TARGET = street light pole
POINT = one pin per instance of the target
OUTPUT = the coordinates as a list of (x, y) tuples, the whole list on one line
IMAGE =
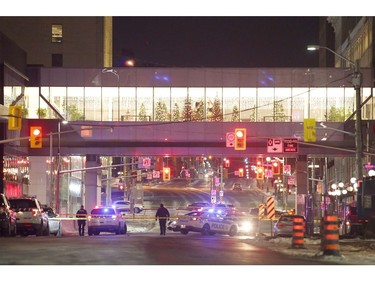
[(357, 83)]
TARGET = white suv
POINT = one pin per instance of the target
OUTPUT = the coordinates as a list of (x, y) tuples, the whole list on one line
[(105, 219), (124, 207), (30, 217)]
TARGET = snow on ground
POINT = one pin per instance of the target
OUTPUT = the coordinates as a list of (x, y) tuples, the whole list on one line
[(351, 251)]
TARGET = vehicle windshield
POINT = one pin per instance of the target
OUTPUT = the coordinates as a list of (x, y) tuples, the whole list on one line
[(22, 203)]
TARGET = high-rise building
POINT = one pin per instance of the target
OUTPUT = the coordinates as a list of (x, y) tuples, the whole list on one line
[(84, 42)]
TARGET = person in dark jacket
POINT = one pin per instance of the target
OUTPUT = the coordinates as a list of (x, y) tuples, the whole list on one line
[(163, 215), (81, 215)]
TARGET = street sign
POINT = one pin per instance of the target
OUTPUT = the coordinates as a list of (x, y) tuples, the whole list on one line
[(309, 130), (146, 162), (291, 180), (275, 145), (287, 169), (156, 174), (290, 145), (230, 139)]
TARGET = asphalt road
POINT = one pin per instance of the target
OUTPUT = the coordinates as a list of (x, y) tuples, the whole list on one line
[(143, 249)]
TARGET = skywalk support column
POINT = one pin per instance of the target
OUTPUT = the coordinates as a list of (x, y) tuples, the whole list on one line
[(92, 183), (302, 186), (357, 82)]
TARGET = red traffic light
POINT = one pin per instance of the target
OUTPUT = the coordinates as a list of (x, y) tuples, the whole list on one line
[(240, 139), (36, 137), (276, 168)]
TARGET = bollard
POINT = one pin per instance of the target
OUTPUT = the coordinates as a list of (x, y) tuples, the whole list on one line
[(298, 233), (331, 236)]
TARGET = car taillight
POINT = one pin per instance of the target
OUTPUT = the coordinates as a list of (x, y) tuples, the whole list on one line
[(34, 212)]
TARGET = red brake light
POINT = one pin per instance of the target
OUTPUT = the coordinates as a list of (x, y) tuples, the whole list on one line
[(34, 212)]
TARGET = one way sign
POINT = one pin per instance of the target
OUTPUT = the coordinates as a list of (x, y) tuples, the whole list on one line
[(275, 145)]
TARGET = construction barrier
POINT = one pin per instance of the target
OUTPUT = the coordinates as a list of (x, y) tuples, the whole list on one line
[(298, 233), (330, 236)]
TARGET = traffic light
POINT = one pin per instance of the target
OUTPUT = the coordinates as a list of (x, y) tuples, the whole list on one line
[(167, 174), (276, 167), (36, 137), (240, 139), (227, 163), (240, 172), (15, 117), (260, 173), (259, 162)]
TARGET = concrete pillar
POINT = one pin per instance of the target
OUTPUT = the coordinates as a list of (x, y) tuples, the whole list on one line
[(92, 183), (39, 186), (302, 183)]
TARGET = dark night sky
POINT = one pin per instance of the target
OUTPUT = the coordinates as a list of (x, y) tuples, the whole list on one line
[(214, 41)]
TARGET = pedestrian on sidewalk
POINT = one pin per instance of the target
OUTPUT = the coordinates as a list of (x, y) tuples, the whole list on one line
[(163, 215)]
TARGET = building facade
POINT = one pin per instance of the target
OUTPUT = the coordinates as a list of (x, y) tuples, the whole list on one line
[(60, 41)]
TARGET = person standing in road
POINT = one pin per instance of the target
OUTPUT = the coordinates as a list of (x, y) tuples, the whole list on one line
[(163, 215), (81, 215)]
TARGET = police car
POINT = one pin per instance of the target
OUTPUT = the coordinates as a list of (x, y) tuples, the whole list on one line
[(192, 221), (231, 225), (105, 219)]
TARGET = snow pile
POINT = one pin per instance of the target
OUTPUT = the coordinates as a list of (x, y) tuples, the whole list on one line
[(351, 251)]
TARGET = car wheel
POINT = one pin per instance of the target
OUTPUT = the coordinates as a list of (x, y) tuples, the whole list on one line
[(233, 230), (6, 231), (118, 230), (40, 230), (206, 229), (90, 232), (46, 230), (125, 230), (14, 232), (184, 231)]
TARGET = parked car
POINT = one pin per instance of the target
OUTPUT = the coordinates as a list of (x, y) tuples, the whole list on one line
[(124, 207), (31, 218), (8, 226), (53, 220), (284, 225), (105, 219), (222, 208), (352, 225), (237, 186), (199, 206)]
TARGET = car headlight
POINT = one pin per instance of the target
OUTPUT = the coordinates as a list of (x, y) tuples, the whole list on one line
[(246, 226)]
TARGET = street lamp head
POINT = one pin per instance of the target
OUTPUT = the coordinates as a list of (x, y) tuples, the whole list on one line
[(313, 47)]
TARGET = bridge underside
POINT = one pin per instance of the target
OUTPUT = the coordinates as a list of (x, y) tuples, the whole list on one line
[(185, 139)]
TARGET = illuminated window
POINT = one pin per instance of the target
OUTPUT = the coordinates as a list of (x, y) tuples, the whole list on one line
[(57, 35)]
